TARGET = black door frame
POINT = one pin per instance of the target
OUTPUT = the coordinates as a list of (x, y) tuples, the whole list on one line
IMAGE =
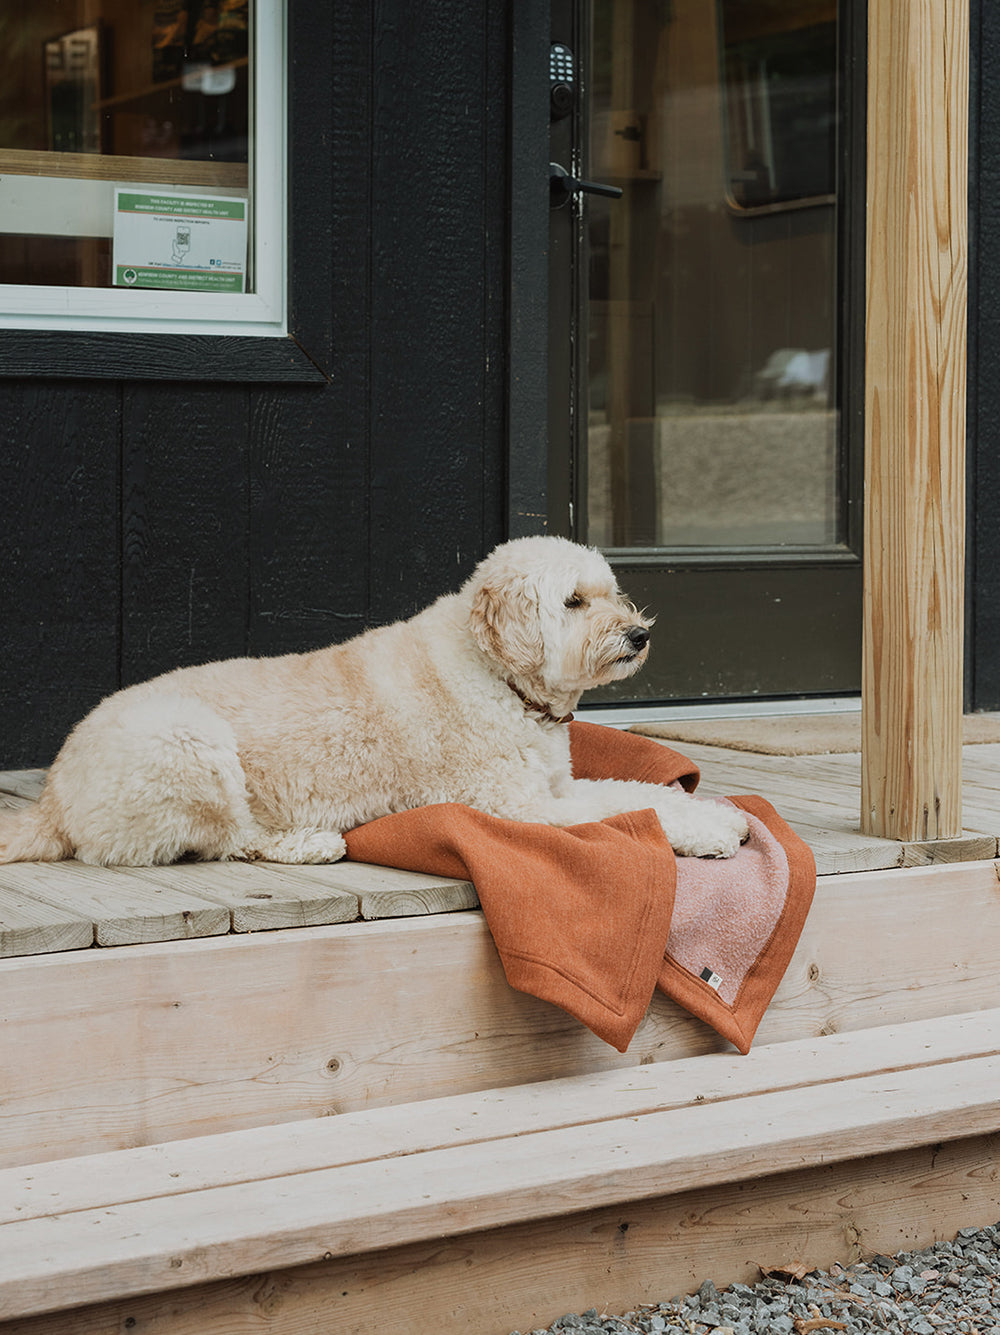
[(536, 501)]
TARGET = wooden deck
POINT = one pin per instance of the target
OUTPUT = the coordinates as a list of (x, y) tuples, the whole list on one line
[(68, 906), (289, 1098), (820, 797)]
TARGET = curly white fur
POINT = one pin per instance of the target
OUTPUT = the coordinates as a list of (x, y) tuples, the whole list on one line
[(274, 757)]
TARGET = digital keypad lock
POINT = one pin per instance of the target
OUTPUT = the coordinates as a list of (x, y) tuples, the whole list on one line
[(562, 81)]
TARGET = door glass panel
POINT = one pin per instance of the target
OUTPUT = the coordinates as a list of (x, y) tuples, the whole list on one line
[(712, 383)]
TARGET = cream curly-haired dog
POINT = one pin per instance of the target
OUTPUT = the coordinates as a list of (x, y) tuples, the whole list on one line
[(273, 757)]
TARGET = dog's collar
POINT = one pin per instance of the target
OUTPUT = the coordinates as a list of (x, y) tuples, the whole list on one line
[(544, 712)]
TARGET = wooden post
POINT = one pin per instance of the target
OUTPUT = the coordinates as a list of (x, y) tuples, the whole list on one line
[(915, 418)]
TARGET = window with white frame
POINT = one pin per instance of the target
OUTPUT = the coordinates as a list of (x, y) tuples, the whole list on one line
[(142, 171)]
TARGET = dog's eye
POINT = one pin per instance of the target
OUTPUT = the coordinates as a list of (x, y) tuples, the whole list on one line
[(575, 600)]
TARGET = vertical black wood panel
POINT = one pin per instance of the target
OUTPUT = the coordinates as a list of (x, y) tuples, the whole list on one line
[(308, 575), (319, 114), (430, 322), (59, 559), (184, 526), (496, 224), (983, 676), (309, 447)]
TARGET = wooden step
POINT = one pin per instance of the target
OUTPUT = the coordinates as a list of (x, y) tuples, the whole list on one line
[(100, 1228), (231, 1032)]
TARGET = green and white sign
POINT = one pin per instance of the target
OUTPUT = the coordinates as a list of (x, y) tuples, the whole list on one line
[(192, 243)]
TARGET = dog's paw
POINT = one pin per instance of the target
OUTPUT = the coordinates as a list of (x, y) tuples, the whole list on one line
[(297, 847), (708, 830)]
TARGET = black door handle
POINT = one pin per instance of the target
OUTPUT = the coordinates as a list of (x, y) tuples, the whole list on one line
[(562, 186)]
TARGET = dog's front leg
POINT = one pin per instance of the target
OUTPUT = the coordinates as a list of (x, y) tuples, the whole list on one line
[(695, 827)]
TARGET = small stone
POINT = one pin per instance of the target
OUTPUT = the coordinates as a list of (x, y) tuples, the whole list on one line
[(708, 1293)]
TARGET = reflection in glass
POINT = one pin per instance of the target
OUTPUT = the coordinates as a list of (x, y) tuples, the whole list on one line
[(98, 92), (712, 394)]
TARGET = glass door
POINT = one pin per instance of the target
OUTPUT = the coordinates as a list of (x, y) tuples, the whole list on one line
[(703, 426)]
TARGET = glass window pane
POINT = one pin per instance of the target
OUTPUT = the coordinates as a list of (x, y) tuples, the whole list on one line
[(713, 415), (151, 99)]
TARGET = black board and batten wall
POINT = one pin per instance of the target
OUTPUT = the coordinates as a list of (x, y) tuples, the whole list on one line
[(169, 500)]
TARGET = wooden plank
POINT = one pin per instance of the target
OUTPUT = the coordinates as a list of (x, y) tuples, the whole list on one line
[(258, 897), (526, 1275), (123, 908), (915, 390), (840, 850), (919, 910), (112, 167), (103, 1181), (966, 848), (29, 926), (340, 1018), (819, 795), (169, 1242), (26, 783), (388, 892)]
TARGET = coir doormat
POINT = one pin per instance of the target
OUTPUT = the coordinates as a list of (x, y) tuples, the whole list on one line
[(795, 734)]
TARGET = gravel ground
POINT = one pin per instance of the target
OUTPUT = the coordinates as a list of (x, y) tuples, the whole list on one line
[(946, 1289)]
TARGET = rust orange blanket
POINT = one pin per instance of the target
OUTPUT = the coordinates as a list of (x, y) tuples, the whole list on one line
[(594, 917)]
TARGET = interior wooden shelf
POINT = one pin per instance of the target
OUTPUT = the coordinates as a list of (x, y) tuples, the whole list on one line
[(109, 167)]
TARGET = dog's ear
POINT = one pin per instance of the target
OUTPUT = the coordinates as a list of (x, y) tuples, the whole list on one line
[(504, 620)]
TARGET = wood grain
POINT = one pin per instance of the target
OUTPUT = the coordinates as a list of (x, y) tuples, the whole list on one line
[(123, 908), (234, 1032), (103, 1181), (23, 783), (258, 898), (526, 1275), (108, 167), (819, 796), (388, 892), (30, 926), (915, 418), (162, 1243)]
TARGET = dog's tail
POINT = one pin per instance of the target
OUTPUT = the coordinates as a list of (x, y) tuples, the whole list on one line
[(31, 836)]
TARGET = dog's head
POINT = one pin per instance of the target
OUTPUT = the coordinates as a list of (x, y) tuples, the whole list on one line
[(551, 614)]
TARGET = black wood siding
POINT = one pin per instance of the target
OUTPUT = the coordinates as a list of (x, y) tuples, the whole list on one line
[(213, 508), (983, 609)]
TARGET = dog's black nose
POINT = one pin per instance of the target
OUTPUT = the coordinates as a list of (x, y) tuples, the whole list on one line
[(637, 636)]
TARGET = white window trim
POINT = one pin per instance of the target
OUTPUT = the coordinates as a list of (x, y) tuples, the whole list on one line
[(260, 313)]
